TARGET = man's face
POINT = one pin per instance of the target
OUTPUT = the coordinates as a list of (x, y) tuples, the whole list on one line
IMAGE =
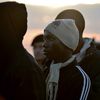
[(38, 52), (53, 47)]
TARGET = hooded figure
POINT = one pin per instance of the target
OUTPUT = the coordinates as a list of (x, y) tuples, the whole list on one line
[(20, 77)]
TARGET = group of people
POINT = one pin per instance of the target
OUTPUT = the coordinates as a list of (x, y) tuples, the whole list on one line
[(65, 68)]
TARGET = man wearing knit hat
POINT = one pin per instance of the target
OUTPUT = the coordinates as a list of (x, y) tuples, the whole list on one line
[(20, 77), (87, 56), (65, 80)]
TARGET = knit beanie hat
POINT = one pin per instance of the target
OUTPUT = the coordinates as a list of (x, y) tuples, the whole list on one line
[(66, 31)]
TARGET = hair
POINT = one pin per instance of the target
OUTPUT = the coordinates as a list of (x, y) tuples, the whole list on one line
[(75, 15), (38, 38)]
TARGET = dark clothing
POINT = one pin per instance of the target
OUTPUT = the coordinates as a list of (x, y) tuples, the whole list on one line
[(20, 77), (70, 83), (98, 45), (46, 67), (91, 64)]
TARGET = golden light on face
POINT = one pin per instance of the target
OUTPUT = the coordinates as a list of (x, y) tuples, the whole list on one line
[(57, 3)]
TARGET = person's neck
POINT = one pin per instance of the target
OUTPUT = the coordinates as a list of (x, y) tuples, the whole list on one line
[(63, 58)]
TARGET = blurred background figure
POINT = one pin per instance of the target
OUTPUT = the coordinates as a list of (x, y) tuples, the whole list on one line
[(41, 59), (37, 45), (87, 55)]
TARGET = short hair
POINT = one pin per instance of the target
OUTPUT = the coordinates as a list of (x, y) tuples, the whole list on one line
[(75, 15), (38, 38)]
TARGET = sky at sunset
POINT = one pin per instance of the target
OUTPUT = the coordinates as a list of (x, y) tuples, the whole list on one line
[(57, 3), (41, 12)]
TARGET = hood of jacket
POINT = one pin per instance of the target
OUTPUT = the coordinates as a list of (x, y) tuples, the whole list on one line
[(13, 26)]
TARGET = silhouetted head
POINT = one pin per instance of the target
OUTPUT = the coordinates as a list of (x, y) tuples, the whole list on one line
[(75, 15), (13, 20), (38, 38), (13, 26)]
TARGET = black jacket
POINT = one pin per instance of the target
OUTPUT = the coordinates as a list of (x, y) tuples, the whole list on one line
[(91, 64), (70, 83), (20, 77)]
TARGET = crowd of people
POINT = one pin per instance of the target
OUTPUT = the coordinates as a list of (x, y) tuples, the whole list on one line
[(65, 65)]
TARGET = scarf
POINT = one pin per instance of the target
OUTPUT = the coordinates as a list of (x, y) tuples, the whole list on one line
[(81, 54), (53, 78)]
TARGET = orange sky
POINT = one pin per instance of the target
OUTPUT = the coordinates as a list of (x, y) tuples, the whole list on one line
[(93, 35)]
